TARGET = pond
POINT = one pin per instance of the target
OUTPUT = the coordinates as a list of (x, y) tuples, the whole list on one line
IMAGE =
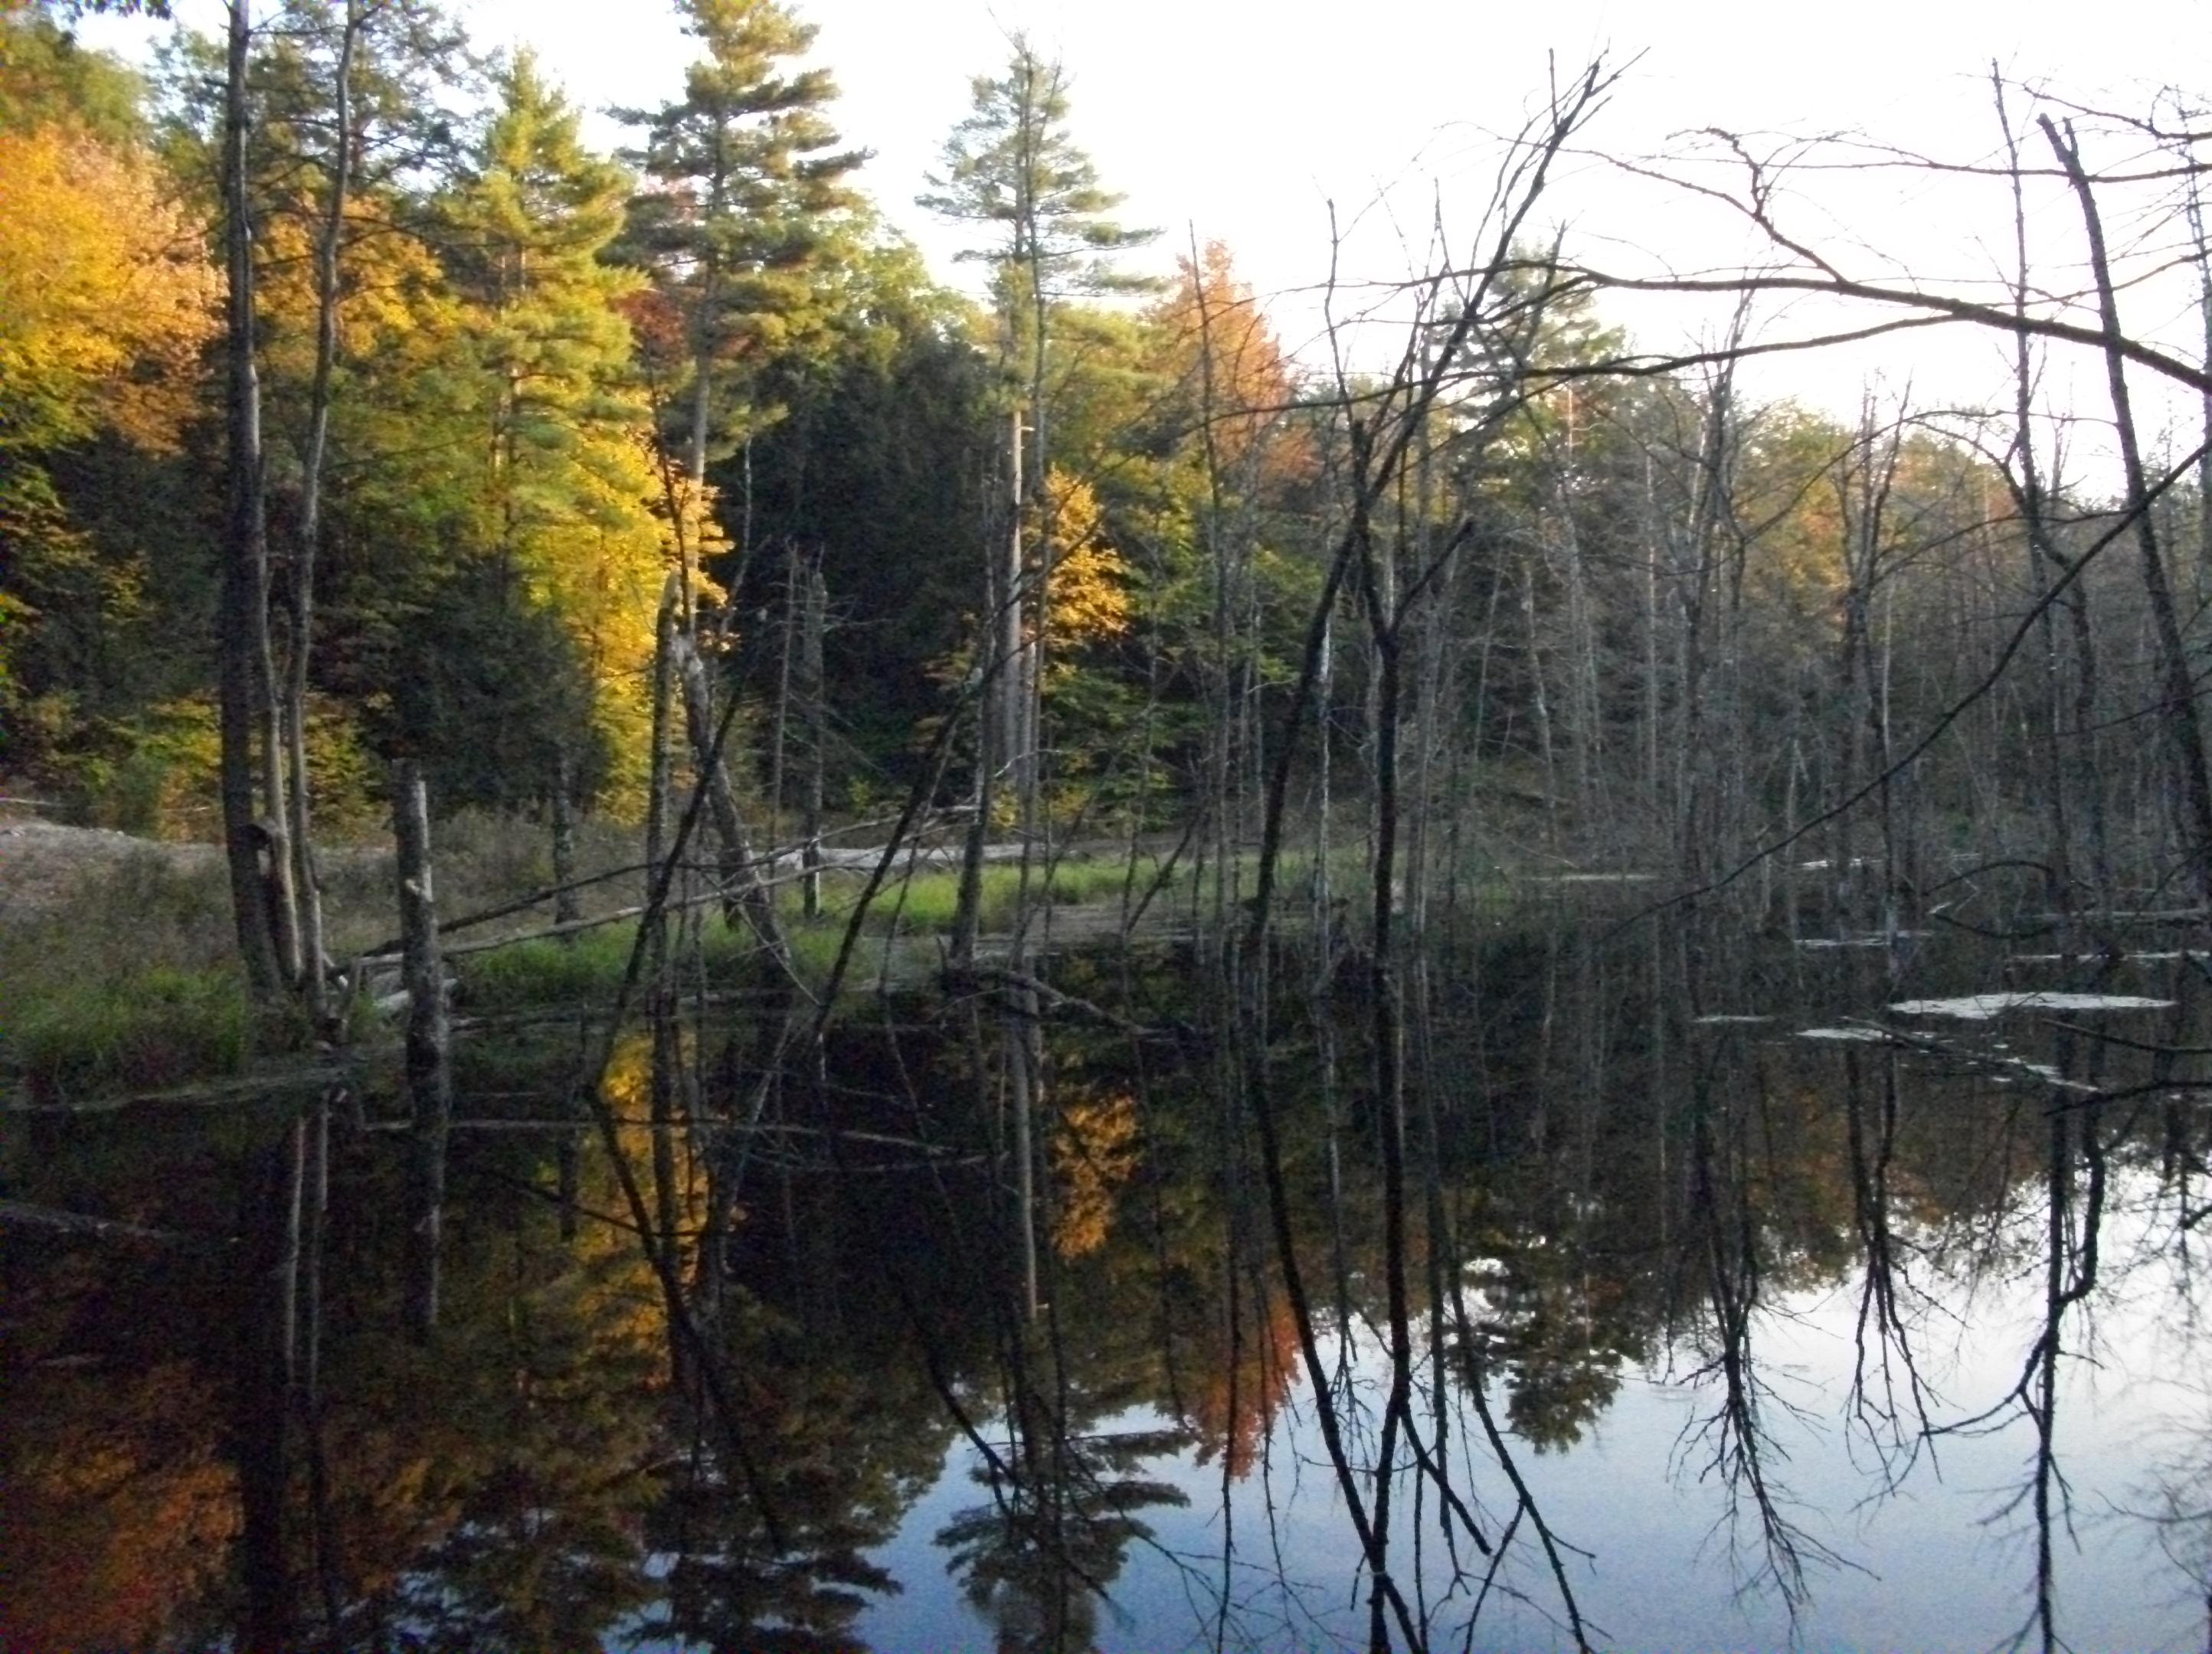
[(1657, 1324)]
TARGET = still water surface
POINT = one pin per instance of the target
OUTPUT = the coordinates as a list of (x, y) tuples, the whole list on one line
[(1885, 1340)]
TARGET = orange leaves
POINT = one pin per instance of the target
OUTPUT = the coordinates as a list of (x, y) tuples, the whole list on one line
[(1229, 367)]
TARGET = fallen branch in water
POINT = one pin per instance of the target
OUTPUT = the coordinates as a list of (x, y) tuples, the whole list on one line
[(22, 1215)]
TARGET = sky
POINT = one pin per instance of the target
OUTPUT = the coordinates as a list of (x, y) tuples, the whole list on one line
[(1246, 123)]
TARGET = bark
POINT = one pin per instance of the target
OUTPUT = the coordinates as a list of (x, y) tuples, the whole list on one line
[(741, 873), (998, 715), (567, 910), (242, 617), (664, 666), (429, 1080), (265, 1317), (813, 621), (306, 892), (2184, 730)]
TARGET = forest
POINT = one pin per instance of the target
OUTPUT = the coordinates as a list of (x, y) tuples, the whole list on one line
[(359, 413), (761, 894)]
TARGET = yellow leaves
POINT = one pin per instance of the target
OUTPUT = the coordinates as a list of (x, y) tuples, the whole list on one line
[(628, 1091), (1087, 593), (105, 295), (120, 1506)]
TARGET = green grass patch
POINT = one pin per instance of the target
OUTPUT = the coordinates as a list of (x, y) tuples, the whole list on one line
[(161, 1028), (587, 966), (906, 917), (928, 902), (547, 969)]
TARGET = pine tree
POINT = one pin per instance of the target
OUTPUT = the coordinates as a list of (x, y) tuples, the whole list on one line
[(561, 493), (748, 179), (1012, 166)]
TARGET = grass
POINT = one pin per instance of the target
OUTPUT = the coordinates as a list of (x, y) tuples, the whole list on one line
[(128, 986), (546, 970), (161, 1027), (927, 902), (132, 985)]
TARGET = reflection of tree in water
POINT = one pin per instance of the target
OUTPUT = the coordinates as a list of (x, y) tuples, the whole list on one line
[(732, 1586), (535, 1481), (2179, 1511), (1094, 1153), (1556, 1333), (1037, 1561), (536, 1418), (118, 1505), (1239, 1392), (843, 1448), (1734, 1443)]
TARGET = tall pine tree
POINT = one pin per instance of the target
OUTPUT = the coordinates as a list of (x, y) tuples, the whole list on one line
[(561, 493), (748, 179)]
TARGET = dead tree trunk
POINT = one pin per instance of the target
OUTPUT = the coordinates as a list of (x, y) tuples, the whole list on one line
[(2184, 729), (429, 1079), (999, 716), (567, 910), (242, 620), (813, 619), (740, 873), (307, 893)]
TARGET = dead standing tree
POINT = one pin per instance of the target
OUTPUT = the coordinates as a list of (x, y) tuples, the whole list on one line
[(1900, 304), (1455, 310), (247, 682)]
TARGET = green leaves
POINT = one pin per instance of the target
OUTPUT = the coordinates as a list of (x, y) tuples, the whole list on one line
[(748, 200)]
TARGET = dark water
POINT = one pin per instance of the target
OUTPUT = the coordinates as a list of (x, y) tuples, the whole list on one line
[(1847, 1342)]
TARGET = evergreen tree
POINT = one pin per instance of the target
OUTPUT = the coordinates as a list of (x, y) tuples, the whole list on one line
[(1013, 167), (564, 485), (747, 179)]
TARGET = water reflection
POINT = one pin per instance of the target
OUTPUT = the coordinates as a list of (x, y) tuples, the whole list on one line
[(1695, 1332)]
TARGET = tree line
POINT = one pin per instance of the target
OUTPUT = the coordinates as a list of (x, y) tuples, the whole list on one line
[(358, 410)]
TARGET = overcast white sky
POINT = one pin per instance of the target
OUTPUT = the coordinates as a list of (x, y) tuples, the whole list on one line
[(1243, 120)]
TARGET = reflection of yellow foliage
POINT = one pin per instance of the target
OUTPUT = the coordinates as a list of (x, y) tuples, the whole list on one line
[(1094, 1153), (120, 1507), (627, 1090)]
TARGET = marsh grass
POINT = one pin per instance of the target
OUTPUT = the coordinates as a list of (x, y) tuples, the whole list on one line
[(128, 986), (161, 1028), (132, 985), (926, 902)]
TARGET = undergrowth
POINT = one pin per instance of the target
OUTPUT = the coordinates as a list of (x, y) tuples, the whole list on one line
[(133, 985)]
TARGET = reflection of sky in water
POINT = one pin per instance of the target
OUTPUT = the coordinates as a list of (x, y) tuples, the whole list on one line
[(1936, 1566)]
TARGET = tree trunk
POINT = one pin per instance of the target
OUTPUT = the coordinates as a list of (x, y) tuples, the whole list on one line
[(740, 872), (429, 1080), (242, 619), (813, 619), (306, 891), (2184, 728), (567, 910)]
